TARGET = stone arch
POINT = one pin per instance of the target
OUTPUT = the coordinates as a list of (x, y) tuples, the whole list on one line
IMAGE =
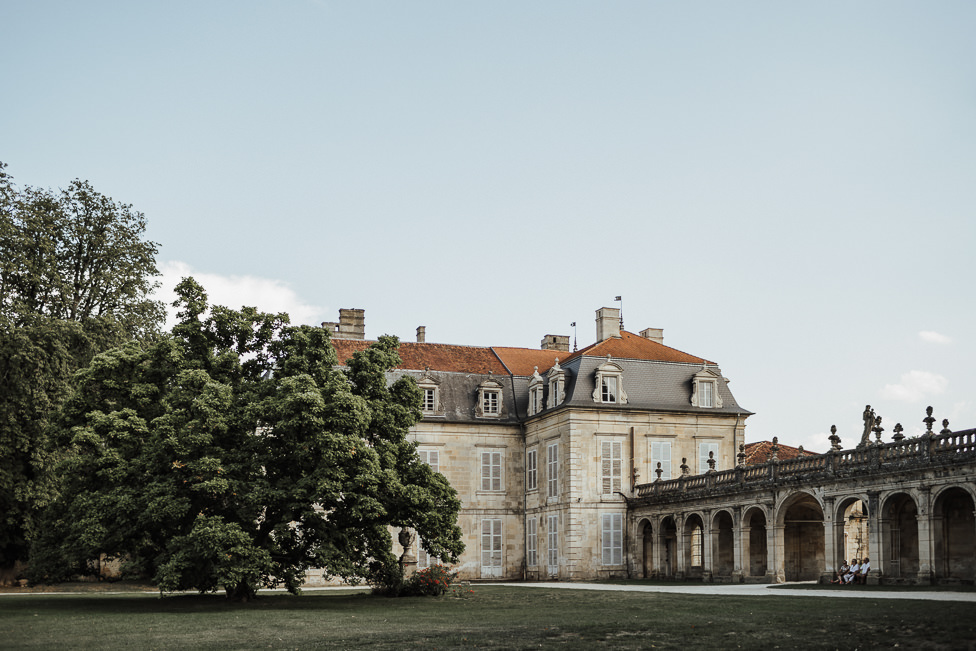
[(667, 535), (800, 536), (899, 536), (693, 545), (644, 539), (954, 535), (723, 545), (851, 528), (755, 554)]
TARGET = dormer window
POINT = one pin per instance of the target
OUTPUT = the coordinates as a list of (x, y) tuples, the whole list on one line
[(557, 385), (429, 393), (489, 399), (704, 389), (609, 387), (536, 387)]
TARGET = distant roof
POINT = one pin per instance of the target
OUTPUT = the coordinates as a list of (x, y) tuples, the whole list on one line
[(631, 346), (522, 361), (439, 357), (760, 451)]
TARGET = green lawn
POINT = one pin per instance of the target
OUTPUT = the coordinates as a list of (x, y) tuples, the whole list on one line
[(494, 617)]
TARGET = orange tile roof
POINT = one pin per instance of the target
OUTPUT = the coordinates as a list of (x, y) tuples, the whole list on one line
[(631, 346), (759, 452), (439, 357), (522, 361)]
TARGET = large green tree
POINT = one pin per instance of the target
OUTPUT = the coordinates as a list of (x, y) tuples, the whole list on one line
[(75, 278), (236, 453)]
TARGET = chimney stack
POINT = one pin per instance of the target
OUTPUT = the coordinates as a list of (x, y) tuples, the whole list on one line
[(556, 342), (607, 323), (654, 334), (351, 325), (421, 334)]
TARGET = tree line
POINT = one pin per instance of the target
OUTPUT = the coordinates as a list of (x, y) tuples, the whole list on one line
[(230, 452)]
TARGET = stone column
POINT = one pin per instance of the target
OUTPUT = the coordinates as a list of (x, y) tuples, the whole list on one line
[(775, 550), (926, 542), (708, 547), (830, 538), (679, 546), (744, 552), (876, 536), (656, 546), (737, 572)]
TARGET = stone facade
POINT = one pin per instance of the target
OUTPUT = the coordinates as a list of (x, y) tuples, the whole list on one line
[(545, 446)]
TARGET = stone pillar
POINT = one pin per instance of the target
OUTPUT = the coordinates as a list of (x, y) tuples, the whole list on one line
[(744, 552), (656, 546), (408, 562), (679, 547), (830, 539), (926, 541), (737, 572), (708, 548), (876, 536), (775, 552)]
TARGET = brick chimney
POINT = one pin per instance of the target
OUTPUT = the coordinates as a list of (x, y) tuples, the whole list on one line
[(654, 334), (421, 334), (607, 323), (556, 342)]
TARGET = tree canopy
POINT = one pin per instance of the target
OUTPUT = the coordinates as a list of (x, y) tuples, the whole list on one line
[(236, 453), (75, 279)]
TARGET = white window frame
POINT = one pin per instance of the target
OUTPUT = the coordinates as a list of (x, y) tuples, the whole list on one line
[(532, 470), (532, 542), (608, 374), (491, 548), (703, 449), (704, 389), (661, 452), (612, 539), (491, 470), (552, 470), (552, 546), (490, 399), (611, 467), (430, 457), (424, 559), (430, 394)]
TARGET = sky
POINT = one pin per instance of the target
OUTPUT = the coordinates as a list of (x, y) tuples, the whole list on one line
[(787, 189)]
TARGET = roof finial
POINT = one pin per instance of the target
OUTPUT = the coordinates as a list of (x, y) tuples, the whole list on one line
[(573, 326), (621, 301)]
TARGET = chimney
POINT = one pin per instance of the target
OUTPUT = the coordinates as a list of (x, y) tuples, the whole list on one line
[(352, 324), (607, 323), (654, 334), (556, 342), (421, 334)]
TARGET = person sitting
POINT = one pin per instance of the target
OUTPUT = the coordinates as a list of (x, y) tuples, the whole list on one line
[(862, 575), (844, 568), (852, 572)]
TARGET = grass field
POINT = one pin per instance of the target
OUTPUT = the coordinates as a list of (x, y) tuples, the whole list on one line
[(490, 617)]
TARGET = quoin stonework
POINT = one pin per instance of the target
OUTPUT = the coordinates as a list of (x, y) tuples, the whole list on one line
[(627, 458)]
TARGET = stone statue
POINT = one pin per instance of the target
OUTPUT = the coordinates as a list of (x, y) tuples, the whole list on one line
[(869, 420)]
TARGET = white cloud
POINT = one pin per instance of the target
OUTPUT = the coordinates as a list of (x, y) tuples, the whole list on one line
[(934, 337), (915, 386), (266, 294)]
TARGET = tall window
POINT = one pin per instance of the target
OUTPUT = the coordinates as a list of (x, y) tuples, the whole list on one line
[(610, 388), (429, 404), (705, 394), (661, 453), (532, 542), (552, 469), (610, 466), (489, 402), (703, 449), (612, 539), (431, 458), (424, 559), (491, 471), (552, 531), (531, 470), (491, 548)]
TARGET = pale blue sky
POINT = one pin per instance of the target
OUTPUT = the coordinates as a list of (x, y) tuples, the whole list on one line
[(788, 189)]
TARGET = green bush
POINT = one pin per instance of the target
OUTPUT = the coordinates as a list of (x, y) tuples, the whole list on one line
[(432, 581)]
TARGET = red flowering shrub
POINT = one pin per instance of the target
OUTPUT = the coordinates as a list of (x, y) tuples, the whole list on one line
[(432, 581)]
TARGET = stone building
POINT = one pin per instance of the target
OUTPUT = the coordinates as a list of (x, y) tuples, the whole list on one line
[(546, 446)]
